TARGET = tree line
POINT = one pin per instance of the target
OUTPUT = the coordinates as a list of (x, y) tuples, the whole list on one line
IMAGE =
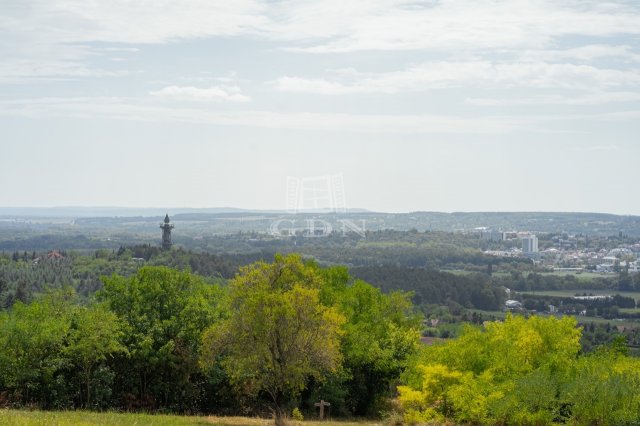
[(430, 286), (285, 334), (25, 275), (277, 336), (522, 372)]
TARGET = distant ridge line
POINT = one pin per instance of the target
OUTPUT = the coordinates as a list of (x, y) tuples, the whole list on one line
[(115, 211)]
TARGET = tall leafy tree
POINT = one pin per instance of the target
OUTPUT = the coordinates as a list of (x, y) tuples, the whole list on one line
[(164, 312), (32, 338), (605, 388), (94, 335), (278, 334), (380, 335), (511, 372)]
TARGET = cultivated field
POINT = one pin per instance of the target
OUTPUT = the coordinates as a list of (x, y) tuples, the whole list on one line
[(569, 293)]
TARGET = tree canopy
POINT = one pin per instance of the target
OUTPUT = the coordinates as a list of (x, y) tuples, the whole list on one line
[(521, 371), (277, 334)]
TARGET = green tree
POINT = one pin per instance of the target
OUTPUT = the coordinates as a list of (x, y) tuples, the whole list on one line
[(510, 372), (94, 335), (4, 291), (381, 334), (163, 312), (278, 334), (32, 338), (605, 389)]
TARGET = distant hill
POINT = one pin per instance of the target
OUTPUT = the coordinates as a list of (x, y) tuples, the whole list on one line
[(77, 212), (196, 221)]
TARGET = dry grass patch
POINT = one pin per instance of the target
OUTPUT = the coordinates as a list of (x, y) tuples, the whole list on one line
[(88, 418)]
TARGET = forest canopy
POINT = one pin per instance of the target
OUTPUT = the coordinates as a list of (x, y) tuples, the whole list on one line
[(285, 334), (163, 339), (522, 371)]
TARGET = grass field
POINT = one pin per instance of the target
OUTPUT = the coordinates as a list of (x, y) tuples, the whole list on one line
[(579, 318), (599, 320), (569, 293), (497, 314), (580, 276), (86, 418)]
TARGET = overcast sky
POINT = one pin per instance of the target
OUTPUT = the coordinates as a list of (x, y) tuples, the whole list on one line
[(420, 105)]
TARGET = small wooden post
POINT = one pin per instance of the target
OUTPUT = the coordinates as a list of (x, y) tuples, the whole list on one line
[(322, 404)]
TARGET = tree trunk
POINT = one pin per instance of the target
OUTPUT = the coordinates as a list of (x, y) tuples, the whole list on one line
[(279, 417), (88, 373), (279, 414)]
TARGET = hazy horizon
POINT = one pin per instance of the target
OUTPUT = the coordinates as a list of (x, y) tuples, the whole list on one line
[(100, 211)]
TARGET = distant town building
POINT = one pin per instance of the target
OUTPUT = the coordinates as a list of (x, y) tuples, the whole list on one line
[(490, 235), (604, 267), (509, 235), (512, 304), (620, 251), (530, 244), (594, 297), (55, 254), (166, 232)]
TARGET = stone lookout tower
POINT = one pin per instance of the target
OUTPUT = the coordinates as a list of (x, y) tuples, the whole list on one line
[(166, 233)]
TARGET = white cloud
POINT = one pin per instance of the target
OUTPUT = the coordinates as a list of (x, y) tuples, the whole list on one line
[(631, 115), (437, 75), (587, 99), (24, 71), (213, 93), (119, 49), (206, 77), (586, 53), (57, 34), (328, 25), (132, 22), (53, 32), (338, 26), (132, 109), (315, 85)]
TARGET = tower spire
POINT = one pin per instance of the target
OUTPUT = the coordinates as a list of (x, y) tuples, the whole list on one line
[(166, 227)]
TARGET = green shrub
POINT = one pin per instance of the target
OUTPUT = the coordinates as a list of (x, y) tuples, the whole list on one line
[(296, 415)]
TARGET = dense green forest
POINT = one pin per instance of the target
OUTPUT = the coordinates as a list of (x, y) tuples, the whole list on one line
[(156, 341), (284, 334), (430, 286), (390, 266), (135, 327), (25, 275)]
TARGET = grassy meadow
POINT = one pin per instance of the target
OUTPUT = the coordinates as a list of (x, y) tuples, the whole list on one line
[(86, 418), (570, 293)]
